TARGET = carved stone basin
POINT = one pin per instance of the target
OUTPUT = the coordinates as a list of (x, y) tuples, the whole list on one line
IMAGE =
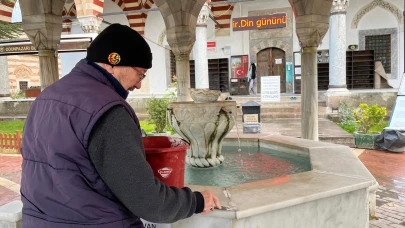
[(204, 126)]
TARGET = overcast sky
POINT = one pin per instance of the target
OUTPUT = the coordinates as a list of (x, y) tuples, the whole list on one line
[(16, 13)]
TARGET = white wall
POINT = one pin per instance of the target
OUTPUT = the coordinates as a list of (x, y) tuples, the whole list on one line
[(157, 74), (239, 41), (378, 18)]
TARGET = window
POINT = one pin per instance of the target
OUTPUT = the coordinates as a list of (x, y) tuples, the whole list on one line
[(23, 85), (381, 44), (173, 67)]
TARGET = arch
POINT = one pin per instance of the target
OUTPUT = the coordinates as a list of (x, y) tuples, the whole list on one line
[(119, 3), (222, 14), (286, 47), (135, 20), (68, 10), (377, 3), (89, 7), (6, 10), (22, 71)]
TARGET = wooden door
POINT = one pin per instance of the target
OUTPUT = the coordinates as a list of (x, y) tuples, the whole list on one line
[(271, 62)]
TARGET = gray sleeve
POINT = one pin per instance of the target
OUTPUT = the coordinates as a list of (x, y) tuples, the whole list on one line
[(116, 150)]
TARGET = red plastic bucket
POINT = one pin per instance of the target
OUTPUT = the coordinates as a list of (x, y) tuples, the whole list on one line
[(166, 156)]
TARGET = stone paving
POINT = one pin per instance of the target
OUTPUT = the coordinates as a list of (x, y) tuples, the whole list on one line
[(387, 168)]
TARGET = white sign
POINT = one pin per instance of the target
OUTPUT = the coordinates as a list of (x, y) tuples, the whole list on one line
[(147, 224), (297, 59), (279, 61), (270, 88), (401, 90), (398, 114), (251, 118), (227, 50), (211, 46)]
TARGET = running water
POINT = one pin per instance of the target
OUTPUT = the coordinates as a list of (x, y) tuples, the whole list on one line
[(237, 131)]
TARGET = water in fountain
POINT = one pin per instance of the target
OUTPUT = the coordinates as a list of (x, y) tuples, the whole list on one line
[(248, 165), (237, 131)]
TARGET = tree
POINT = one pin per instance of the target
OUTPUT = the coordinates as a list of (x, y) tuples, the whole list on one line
[(9, 30)]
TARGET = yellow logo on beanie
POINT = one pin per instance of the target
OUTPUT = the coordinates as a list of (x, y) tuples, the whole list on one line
[(114, 58)]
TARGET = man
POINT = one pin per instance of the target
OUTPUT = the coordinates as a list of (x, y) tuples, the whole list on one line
[(83, 158), (252, 78)]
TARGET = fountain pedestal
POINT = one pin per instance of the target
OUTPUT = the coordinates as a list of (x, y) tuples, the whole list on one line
[(204, 126)]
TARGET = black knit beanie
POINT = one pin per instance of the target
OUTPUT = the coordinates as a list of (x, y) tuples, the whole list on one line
[(119, 45)]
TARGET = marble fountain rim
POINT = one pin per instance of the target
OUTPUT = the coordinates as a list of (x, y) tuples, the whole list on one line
[(217, 103), (325, 179)]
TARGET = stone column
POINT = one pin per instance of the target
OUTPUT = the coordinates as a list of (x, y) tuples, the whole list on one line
[(200, 50), (48, 62), (90, 24), (4, 79), (312, 23), (309, 94), (180, 18), (337, 46), (43, 26), (183, 77)]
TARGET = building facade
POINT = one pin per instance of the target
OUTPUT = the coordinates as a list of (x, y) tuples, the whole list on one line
[(370, 25)]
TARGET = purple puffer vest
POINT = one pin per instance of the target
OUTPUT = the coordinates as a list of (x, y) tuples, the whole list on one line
[(60, 186)]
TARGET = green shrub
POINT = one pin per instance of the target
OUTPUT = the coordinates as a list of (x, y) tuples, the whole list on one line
[(346, 117), (349, 127), (146, 126), (157, 110), (18, 95), (369, 116)]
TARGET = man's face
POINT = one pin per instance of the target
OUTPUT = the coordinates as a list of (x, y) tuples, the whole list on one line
[(129, 77)]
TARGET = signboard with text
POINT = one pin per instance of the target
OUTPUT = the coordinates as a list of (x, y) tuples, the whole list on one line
[(211, 46), (21, 47), (260, 22), (251, 118), (270, 88)]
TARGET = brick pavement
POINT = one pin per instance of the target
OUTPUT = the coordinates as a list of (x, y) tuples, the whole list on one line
[(387, 168), (10, 178)]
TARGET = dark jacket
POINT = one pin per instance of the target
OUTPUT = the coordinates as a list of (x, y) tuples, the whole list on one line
[(60, 185)]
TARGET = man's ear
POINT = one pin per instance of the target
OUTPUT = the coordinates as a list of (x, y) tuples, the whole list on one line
[(108, 68)]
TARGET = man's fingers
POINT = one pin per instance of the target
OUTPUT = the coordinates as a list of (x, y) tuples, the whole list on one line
[(216, 202), (210, 202)]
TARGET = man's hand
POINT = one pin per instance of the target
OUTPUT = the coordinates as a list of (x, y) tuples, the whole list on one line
[(210, 202)]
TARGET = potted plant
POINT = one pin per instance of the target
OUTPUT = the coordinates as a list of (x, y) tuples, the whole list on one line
[(366, 118), (33, 91), (157, 108)]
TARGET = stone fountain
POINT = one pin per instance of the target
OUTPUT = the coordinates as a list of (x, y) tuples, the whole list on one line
[(203, 122)]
